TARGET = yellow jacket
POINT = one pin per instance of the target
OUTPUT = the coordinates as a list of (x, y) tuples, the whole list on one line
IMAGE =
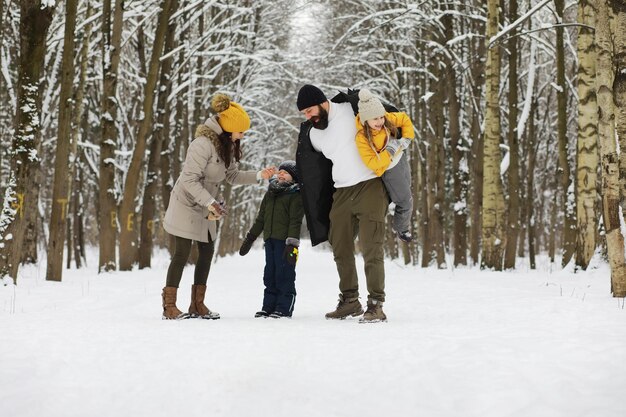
[(374, 154)]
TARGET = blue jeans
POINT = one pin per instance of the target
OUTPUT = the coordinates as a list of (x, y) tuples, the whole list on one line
[(279, 278)]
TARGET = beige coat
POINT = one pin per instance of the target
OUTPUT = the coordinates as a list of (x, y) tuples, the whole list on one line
[(198, 185)]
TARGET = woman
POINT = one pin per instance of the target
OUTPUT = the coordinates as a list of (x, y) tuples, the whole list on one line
[(213, 157)]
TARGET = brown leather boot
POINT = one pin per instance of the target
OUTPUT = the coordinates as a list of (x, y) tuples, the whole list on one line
[(197, 307), (170, 311), (374, 313), (347, 307)]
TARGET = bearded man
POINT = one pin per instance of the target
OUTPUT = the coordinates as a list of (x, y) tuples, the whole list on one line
[(342, 198)]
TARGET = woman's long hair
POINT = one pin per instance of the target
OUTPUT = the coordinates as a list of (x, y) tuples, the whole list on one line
[(229, 148)]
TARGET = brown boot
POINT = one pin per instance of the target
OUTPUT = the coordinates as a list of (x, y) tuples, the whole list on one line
[(374, 312), (197, 307), (170, 311), (346, 307)]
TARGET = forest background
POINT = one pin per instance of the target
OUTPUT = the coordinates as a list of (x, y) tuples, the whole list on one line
[(517, 107)]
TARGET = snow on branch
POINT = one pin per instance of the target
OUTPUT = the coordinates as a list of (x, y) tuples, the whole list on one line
[(518, 22)]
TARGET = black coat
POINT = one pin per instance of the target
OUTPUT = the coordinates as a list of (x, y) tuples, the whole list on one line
[(316, 177), (316, 185)]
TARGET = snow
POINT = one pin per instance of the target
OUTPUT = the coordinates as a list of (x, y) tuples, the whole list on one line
[(427, 96), (519, 21), (530, 88), (506, 161), (557, 87), (459, 342)]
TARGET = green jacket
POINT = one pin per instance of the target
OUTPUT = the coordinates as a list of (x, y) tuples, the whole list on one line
[(280, 216)]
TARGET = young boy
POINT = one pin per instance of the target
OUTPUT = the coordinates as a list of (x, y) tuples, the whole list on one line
[(380, 147), (280, 219)]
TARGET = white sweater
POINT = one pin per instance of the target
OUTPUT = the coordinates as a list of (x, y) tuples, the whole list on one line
[(337, 143)]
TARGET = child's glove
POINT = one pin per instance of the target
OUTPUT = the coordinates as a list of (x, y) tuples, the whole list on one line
[(247, 244), (290, 254), (404, 142), (393, 147)]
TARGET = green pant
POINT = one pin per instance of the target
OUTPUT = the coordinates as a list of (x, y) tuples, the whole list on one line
[(180, 257), (359, 209)]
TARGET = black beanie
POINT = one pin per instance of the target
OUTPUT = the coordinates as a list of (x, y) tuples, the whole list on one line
[(309, 95), (290, 167)]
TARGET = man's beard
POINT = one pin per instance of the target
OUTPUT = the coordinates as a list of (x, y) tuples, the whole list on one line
[(321, 120)]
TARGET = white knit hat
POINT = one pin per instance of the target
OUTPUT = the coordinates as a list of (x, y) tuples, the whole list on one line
[(370, 107)]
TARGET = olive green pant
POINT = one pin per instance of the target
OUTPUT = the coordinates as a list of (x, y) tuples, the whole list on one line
[(359, 210), (180, 257)]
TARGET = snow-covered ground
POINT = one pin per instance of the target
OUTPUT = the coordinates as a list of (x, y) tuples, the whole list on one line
[(458, 342)]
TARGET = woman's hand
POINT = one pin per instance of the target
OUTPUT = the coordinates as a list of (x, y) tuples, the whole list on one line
[(217, 210), (266, 173)]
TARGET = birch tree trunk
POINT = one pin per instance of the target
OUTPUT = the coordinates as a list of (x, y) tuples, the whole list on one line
[(513, 220), (2, 85), (608, 147), (128, 204), (107, 196), (619, 90), (35, 19), (587, 145), (60, 191), (605, 78), (564, 172), (493, 227)]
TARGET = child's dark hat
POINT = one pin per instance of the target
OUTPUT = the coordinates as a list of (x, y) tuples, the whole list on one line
[(290, 167)]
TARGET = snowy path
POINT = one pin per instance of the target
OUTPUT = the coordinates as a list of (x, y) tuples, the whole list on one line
[(458, 343)]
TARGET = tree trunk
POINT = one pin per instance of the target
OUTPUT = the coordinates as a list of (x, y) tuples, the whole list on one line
[(1, 62), (107, 194), (619, 89), (75, 184), (564, 172), (425, 197), (552, 227), (477, 154), (605, 79), (128, 204), (79, 235), (160, 132), (587, 145), (62, 175), (33, 218), (459, 163), (35, 20), (436, 173), (530, 185), (493, 232), (513, 220)]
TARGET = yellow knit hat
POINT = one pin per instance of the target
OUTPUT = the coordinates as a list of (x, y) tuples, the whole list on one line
[(232, 117)]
